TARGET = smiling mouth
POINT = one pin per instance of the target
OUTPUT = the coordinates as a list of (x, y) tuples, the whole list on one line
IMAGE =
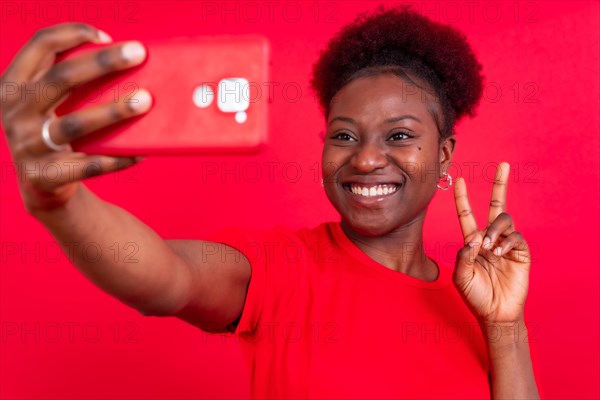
[(367, 191)]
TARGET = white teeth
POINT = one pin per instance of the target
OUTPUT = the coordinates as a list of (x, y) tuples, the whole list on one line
[(371, 191)]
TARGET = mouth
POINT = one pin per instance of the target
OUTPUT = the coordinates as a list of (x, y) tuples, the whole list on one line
[(372, 191)]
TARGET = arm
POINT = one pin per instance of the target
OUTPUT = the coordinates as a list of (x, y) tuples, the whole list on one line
[(492, 276), (510, 362), (165, 278)]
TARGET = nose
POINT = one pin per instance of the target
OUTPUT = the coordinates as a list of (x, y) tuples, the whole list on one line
[(369, 157)]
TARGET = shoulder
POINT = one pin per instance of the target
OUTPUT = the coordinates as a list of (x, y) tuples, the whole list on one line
[(278, 243)]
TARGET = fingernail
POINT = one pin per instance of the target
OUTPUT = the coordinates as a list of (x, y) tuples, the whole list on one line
[(472, 244), (498, 251), (141, 101), (133, 52), (487, 243), (103, 37)]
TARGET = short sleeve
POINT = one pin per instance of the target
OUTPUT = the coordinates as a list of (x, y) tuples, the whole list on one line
[(278, 290), (249, 243)]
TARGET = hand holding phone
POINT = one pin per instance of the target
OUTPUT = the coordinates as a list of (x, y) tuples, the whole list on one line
[(102, 124), (209, 95)]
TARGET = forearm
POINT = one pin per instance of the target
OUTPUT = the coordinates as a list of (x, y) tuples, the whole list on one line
[(118, 253), (510, 362)]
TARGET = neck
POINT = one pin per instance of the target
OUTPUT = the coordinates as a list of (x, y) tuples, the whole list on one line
[(400, 250)]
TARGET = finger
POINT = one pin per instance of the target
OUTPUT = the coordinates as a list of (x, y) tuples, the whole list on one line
[(75, 125), (75, 167), (498, 201), (502, 226), (516, 243), (83, 68), (38, 55), (465, 260), (467, 221)]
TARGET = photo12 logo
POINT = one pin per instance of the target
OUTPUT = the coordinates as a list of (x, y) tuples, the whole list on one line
[(270, 12), (53, 12), (488, 12), (71, 332)]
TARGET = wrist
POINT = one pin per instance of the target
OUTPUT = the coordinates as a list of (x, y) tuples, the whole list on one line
[(503, 338), (39, 203)]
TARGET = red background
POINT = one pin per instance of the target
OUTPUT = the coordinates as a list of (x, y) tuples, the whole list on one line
[(63, 338)]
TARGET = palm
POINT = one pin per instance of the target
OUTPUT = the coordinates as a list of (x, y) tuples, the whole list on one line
[(493, 283)]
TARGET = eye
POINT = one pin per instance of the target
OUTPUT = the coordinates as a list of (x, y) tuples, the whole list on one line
[(342, 136), (400, 135)]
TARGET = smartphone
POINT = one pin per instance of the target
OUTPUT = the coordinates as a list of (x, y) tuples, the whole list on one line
[(209, 95)]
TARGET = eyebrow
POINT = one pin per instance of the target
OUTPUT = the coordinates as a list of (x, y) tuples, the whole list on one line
[(387, 121)]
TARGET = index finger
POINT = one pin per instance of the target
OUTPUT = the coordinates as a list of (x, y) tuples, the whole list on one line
[(498, 201), (38, 55), (468, 224)]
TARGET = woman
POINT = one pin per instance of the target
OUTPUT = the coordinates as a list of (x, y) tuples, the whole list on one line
[(345, 310)]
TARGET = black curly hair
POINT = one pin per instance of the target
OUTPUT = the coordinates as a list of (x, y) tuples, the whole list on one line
[(405, 43)]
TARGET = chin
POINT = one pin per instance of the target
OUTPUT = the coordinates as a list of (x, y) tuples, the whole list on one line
[(368, 227)]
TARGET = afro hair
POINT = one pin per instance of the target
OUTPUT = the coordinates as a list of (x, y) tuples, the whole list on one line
[(402, 40)]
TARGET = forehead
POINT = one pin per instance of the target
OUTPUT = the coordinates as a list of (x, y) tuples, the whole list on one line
[(380, 97)]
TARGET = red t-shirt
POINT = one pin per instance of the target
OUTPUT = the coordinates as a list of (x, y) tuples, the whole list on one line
[(324, 320)]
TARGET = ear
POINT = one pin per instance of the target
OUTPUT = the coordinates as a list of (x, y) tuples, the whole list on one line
[(446, 151)]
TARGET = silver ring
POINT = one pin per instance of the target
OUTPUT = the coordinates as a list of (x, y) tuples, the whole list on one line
[(48, 140)]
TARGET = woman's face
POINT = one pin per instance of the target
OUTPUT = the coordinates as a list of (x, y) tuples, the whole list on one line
[(382, 154)]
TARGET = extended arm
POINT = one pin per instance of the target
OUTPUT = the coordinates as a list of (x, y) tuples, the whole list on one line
[(131, 261)]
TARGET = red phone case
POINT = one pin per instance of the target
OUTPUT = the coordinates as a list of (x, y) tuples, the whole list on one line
[(180, 74)]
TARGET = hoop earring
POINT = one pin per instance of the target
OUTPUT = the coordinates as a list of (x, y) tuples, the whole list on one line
[(447, 178)]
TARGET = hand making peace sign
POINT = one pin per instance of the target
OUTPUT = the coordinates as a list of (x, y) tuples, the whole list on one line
[(492, 270)]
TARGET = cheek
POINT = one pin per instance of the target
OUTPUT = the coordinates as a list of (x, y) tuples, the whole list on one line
[(421, 163), (331, 159)]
